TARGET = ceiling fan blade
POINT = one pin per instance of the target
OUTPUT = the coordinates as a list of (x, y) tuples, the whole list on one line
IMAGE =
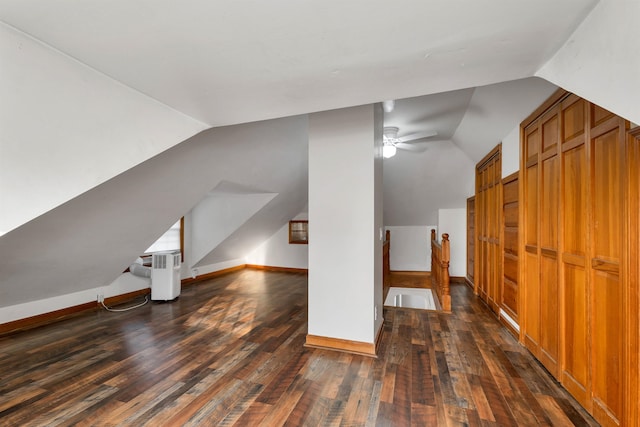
[(420, 135), (416, 148)]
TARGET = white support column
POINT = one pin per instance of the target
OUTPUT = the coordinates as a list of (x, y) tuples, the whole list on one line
[(345, 229)]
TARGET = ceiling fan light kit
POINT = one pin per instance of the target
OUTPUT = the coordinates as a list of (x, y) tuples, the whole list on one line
[(388, 150), (392, 142)]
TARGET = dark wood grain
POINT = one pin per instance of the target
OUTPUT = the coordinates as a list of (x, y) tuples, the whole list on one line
[(230, 351)]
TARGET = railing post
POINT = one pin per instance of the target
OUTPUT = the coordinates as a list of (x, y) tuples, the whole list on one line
[(446, 258)]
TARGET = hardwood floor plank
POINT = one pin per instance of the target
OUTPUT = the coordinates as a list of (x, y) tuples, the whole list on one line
[(230, 351), (422, 390)]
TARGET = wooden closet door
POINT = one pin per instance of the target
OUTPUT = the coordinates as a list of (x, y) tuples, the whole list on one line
[(509, 292), (471, 238), (632, 313), (530, 261), (488, 213), (608, 296), (549, 216), (493, 238), (576, 215)]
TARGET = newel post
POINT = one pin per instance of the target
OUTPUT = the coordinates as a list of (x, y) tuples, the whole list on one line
[(446, 258)]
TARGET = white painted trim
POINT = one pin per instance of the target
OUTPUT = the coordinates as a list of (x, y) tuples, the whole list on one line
[(509, 320)]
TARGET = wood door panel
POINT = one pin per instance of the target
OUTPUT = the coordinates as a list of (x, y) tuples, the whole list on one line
[(531, 206), (532, 142), (510, 298), (549, 314), (573, 118), (511, 267), (575, 200), (606, 196), (550, 133), (549, 203), (511, 215), (599, 115), (532, 301), (576, 335), (511, 241), (510, 192), (607, 346), (607, 297)]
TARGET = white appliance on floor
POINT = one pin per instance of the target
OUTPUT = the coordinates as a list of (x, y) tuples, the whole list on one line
[(165, 276)]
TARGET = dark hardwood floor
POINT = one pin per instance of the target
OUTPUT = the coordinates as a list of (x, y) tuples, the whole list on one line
[(230, 352)]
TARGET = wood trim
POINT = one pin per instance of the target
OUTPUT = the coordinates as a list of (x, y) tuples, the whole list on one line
[(632, 362), (279, 269), (117, 299), (605, 265), (573, 259), (570, 144), (413, 272), (345, 346), (510, 178), (207, 276), (469, 283), (509, 327), (45, 318), (497, 150), (57, 315), (556, 97)]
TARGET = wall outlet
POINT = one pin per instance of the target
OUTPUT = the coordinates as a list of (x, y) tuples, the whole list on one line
[(100, 297), (375, 312)]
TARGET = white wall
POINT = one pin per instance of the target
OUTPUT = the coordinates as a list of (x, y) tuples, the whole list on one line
[(600, 60), (343, 158), (65, 128), (454, 223), (278, 252), (187, 272), (410, 247), (416, 185), (511, 152), (125, 283), (217, 216)]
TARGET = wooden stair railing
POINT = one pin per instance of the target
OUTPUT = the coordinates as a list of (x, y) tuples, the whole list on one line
[(440, 258)]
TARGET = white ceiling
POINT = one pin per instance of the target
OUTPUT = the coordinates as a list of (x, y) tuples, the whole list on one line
[(234, 62)]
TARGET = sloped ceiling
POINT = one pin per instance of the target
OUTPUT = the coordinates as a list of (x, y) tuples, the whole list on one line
[(221, 212), (88, 241), (416, 185), (235, 62), (221, 64), (495, 110)]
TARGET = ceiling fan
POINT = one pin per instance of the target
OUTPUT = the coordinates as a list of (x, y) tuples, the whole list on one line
[(392, 141)]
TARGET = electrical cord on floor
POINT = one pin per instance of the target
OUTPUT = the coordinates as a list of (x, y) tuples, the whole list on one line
[(117, 310)]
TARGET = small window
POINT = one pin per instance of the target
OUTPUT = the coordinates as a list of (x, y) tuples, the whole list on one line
[(299, 232), (172, 240)]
